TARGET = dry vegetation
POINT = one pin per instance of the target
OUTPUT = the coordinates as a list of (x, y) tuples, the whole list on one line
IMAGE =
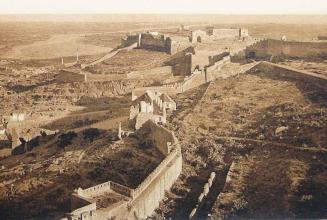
[(273, 131)]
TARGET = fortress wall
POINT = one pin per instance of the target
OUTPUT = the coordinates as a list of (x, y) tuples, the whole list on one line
[(181, 62), (297, 49), (212, 71), (289, 49), (160, 136), (198, 35), (183, 66), (152, 190), (177, 46), (129, 40), (195, 80), (153, 42)]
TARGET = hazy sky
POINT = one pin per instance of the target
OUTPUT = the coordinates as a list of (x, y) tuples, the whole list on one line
[(165, 6)]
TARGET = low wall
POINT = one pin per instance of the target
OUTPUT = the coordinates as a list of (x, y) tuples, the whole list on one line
[(288, 73), (105, 187), (96, 190), (195, 80), (123, 190)]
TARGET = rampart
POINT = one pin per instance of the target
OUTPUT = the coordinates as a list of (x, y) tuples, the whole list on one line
[(130, 39), (181, 62), (157, 42), (266, 48), (152, 190)]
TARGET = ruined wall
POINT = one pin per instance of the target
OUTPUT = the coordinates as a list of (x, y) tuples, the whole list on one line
[(179, 45), (288, 49), (154, 42), (130, 40), (160, 137), (181, 62)]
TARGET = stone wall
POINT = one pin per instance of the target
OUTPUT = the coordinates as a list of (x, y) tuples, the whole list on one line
[(288, 49), (160, 137), (288, 73), (152, 190), (179, 45), (181, 62), (196, 79), (155, 42), (130, 40), (216, 58), (213, 70), (198, 36)]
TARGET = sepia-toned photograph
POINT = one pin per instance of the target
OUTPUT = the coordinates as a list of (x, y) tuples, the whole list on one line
[(163, 109)]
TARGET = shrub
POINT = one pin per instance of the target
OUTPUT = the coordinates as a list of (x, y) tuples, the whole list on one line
[(91, 133), (66, 138)]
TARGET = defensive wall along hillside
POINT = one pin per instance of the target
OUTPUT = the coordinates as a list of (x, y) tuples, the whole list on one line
[(138, 203), (266, 48)]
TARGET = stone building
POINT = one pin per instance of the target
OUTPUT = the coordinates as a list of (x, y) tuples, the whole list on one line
[(152, 105)]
